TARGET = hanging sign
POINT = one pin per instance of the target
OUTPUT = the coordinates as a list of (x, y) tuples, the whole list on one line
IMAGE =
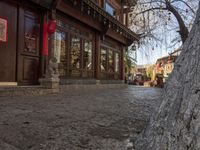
[(3, 30)]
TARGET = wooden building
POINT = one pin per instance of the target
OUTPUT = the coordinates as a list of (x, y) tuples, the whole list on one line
[(63, 41)]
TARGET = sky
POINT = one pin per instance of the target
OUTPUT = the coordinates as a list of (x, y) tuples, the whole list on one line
[(149, 55), (150, 50)]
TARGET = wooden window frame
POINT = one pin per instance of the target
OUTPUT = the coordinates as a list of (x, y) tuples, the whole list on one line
[(105, 74), (70, 34)]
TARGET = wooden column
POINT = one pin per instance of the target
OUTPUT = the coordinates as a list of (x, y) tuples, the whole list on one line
[(102, 3), (127, 19), (122, 15), (51, 79), (97, 56), (123, 63)]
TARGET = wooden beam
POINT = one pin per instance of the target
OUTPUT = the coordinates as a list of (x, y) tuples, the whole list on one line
[(55, 4), (67, 9), (117, 36)]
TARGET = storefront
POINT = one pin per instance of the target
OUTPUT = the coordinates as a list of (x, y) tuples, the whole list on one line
[(76, 53), (87, 44), (75, 49), (111, 60)]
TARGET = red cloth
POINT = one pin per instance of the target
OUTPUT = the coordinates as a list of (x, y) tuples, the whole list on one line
[(52, 27), (45, 51)]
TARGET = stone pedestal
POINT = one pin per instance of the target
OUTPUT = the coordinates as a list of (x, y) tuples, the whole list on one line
[(51, 79), (51, 83)]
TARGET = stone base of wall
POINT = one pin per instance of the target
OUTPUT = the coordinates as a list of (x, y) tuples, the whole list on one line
[(91, 87), (89, 81), (25, 91), (68, 85)]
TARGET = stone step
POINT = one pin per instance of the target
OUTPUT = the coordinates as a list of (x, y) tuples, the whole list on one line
[(12, 91), (25, 91), (91, 86)]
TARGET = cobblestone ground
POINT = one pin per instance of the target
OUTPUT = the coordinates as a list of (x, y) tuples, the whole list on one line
[(78, 120)]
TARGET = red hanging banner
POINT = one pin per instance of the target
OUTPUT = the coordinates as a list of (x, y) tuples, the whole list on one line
[(49, 28), (45, 40)]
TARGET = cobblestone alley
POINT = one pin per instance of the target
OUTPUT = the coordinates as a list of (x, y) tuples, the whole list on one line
[(79, 120)]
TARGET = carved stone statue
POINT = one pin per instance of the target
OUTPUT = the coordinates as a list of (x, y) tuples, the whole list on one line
[(52, 70)]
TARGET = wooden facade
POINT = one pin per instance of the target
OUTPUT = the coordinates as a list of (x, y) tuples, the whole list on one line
[(89, 41)]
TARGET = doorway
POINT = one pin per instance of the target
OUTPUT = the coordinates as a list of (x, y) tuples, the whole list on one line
[(20, 54)]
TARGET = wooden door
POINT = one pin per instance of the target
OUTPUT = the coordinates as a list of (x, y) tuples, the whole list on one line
[(8, 49), (29, 46)]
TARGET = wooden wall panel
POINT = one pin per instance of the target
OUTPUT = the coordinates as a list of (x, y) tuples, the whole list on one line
[(30, 69), (8, 49), (28, 46)]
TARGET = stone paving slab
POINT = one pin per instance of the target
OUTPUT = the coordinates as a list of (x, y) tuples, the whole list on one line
[(103, 119)]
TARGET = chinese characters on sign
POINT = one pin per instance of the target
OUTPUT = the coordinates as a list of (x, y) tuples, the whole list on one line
[(3, 30)]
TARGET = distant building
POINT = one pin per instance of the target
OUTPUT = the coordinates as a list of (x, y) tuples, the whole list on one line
[(142, 69), (165, 65)]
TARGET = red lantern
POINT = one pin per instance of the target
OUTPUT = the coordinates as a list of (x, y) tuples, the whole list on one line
[(52, 26)]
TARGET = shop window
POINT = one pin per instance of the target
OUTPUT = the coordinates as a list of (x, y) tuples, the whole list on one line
[(116, 62), (32, 30), (75, 52), (60, 52), (110, 61), (81, 58), (103, 60), (87, 55)]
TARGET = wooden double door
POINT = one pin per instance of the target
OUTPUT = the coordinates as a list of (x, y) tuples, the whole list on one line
[(20, 54)]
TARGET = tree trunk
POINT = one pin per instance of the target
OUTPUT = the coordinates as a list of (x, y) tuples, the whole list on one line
[(176, 126), (183, 29)]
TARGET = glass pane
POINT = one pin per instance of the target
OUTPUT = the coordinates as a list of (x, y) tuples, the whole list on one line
[(110, 61), (110, 9), (60, 52), (103, 59), (87, 55), (31, 33), (116, 62), (75, 52)]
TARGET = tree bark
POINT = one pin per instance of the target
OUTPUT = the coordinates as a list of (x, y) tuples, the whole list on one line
[(176, 126)]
